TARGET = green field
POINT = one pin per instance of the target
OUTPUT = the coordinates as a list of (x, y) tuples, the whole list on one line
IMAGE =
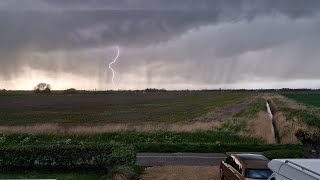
[(308, 99), (310, 115), (117, 107)]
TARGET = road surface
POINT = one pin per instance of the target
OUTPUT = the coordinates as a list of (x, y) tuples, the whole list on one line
[(186, 159)]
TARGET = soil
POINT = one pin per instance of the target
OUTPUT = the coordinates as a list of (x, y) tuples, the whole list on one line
[(74, 103), (181, 173)]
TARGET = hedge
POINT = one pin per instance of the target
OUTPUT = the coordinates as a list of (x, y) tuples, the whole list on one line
[(283, 154), (209, 148), (67, 157)]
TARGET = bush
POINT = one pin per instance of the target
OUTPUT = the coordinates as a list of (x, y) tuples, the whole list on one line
[(121, 172), (209, 148), (66, 157), (47, 90), (122, 155), (70, 91), (283, 154)]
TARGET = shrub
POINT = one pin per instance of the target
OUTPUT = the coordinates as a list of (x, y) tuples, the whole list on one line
[(122, 155), (70, 91), (209, 148), (283, 154), (66, 157), (121, 172), (154, 90), (47, 90)]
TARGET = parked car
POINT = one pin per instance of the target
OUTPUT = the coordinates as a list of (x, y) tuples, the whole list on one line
[(295, 169), (245, 167)]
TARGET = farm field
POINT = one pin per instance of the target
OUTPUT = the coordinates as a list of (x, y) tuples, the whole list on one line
[(200, 121), (173, 121), (112, 108), (187, 117), (308, 99), (164, 122)]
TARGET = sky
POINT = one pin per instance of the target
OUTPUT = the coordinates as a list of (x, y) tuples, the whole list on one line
[(171, 44)]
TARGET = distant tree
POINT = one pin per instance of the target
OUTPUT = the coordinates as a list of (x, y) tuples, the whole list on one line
[(154, 90), (42, 88), (70, 91)]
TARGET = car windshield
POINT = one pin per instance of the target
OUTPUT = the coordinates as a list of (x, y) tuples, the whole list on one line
[(258, 173)]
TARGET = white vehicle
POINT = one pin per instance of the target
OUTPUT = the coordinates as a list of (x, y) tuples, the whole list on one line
[(295, 169)]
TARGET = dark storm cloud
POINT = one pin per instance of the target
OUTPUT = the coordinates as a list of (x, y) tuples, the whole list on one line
[(76, 30), (83, 29), (85, 23), (29, 27)]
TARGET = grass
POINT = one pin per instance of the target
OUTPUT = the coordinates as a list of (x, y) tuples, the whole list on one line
[(107, 108), (308, 116), (239, 122), (129, 137), (253, 109), (283, 154), (308, 99), (276, 105)]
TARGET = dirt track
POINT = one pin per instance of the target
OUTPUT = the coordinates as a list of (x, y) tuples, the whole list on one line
[(225, 112)]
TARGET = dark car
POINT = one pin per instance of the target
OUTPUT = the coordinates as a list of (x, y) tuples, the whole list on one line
[(245, 167)]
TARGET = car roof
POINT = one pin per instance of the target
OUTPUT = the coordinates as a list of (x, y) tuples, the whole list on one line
[(253, 161), (309, 166)]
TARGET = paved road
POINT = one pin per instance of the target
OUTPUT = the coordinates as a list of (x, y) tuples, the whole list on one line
[(187, 159)]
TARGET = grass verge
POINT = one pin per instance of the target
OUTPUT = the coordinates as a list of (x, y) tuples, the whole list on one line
[(283, 154), (308, 116)]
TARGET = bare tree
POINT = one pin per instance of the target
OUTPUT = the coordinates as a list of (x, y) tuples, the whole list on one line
[(42, 88)]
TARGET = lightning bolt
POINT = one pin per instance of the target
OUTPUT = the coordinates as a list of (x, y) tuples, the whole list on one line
[(113, 72)]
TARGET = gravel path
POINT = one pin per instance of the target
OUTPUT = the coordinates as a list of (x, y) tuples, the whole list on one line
[(181, 173)]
